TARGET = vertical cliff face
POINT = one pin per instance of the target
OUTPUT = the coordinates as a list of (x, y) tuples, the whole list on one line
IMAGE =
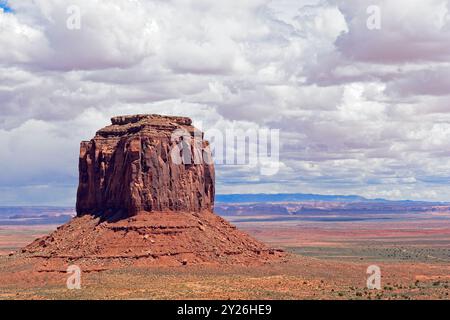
[(145, 163)]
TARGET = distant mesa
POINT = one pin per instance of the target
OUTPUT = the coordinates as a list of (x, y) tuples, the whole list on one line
[(286, 197), (137, 202)]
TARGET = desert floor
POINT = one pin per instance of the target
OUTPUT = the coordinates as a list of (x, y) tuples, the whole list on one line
[(326, 261)]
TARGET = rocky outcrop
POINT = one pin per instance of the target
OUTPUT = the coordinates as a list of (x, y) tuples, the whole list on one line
[(145, 163), (146, 197), (148, 239)]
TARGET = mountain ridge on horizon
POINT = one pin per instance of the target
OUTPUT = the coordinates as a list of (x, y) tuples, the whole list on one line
[(296, 197)]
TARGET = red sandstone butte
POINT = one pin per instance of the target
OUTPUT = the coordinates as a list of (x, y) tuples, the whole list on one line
[(128, 167), (139, 203)]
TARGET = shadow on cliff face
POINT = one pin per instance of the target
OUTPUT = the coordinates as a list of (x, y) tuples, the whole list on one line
[(109, 215)]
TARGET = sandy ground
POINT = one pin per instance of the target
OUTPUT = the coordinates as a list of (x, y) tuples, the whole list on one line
[(14, 237), (298, 278), (326, 261)]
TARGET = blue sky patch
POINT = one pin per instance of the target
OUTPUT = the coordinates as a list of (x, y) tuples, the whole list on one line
[(4, 6)]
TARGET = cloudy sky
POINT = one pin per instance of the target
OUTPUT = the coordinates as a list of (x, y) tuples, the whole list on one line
[(360, 110)]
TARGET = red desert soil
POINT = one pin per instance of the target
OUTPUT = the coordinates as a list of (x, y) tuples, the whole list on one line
[(14, 237), (295, 278)]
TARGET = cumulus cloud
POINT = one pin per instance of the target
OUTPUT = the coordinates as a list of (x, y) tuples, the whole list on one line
[(360, 111)]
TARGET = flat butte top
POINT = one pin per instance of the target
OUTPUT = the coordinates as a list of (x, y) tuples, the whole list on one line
[(148, 124)]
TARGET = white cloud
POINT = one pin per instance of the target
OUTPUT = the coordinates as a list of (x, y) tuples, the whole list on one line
[(360, 111)]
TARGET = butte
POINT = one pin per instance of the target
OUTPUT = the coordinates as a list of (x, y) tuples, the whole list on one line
[(144, 198)]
